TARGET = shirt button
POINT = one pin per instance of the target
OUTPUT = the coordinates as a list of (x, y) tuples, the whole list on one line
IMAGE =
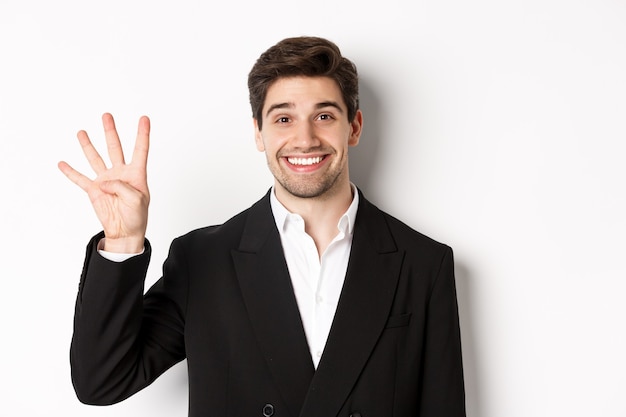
[(319, 299), (319, 353), (268, 410)]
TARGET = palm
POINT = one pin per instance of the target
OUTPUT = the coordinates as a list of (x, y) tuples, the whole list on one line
[(119, 217), (119, 193)]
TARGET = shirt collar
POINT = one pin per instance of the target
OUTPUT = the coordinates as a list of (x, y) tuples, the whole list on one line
[(346, 222)]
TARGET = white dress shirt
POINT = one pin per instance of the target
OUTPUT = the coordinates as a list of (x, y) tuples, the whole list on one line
[(317, 280)]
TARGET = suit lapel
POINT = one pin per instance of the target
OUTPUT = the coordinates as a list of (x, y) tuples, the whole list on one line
[(363, 310), (268, 294)]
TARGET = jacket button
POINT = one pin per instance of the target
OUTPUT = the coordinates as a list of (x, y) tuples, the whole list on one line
[(268, 410), (355, 415)]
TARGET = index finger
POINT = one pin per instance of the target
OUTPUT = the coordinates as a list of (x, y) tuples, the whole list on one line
[(76, 177), (142, 143)]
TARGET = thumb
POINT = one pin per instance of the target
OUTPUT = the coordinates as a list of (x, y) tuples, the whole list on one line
[(120, 189)]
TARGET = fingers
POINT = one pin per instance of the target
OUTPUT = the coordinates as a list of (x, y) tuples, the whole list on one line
[(116, 153), (114, 147), (74, 176), (142, 143), (92, 155)]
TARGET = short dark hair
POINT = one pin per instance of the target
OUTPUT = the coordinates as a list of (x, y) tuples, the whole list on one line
[(307, 56)]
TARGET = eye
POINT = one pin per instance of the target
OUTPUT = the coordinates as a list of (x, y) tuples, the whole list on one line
[(325, 116), (282, 120)]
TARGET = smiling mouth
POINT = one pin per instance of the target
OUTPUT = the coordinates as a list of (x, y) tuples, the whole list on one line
[(305, 161)]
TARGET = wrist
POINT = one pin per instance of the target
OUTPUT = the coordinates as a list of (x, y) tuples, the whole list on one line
[(127, 245)]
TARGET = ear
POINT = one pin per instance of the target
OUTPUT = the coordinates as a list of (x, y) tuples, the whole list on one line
[(357, 127), (258, 137)]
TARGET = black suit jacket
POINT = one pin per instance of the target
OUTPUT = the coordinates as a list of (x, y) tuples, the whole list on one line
[(226, 304)]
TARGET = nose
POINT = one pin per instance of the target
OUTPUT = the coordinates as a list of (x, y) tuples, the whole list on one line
[(305, 135)]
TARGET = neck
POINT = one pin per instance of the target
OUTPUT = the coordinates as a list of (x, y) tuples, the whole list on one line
[(321, 214)]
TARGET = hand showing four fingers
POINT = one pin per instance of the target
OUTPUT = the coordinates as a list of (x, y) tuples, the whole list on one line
[(119, 192)]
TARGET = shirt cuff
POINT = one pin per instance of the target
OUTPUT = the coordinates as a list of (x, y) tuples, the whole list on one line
[(115, 257)]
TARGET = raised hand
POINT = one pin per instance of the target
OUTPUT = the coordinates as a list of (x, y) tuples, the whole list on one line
[(119, 193)]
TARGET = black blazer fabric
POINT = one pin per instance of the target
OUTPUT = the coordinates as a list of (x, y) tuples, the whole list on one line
[(226, 304)]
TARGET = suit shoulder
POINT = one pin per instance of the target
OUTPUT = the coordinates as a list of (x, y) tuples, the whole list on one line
[(407, 237), (224, 232), (229, 233), (421, 249), (399, 227)]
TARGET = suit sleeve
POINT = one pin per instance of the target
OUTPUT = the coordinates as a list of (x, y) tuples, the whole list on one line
[(443, 393), (122, 341)]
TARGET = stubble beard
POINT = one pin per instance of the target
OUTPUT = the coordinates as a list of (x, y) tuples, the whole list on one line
[(307, 186)]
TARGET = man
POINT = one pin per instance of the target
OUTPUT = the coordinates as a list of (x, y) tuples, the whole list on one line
[(310, 303)]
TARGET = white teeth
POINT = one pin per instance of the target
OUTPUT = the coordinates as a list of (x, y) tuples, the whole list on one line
[(305, 161)]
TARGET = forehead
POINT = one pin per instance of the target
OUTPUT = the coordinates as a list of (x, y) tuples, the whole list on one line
[(303, 92)]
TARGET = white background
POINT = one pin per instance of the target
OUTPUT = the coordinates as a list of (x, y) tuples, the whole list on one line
[(497, 127)]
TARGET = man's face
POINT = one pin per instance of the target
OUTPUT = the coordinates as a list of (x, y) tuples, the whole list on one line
[(306, 135)]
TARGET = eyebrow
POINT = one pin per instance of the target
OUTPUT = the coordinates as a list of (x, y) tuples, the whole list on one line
[(290, 105)]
